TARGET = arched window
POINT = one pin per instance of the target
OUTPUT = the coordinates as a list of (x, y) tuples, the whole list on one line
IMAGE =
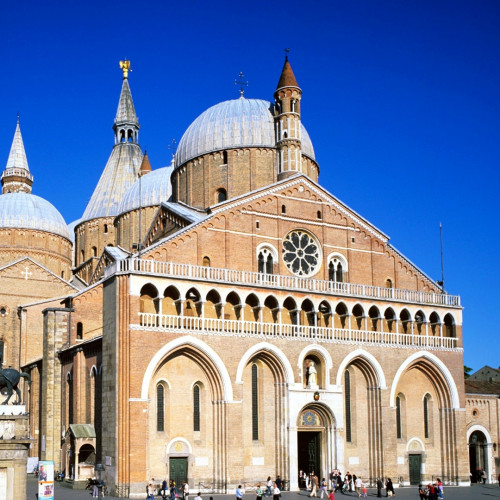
[(347, 395), (160, 408), (388, 283), (449, 326), (266, 258), (337, 267), (221, 195), (82, 253), (79, 330), (283, 209), (196, 408), (255, 403), (94, 251), (399, 432), (105, 228), (62, 274), (206, 261), (318, 213), (224, 157), (69, 399), (427, 410)]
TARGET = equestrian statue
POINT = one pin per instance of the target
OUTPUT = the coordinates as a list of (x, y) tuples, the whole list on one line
[(9, 380)]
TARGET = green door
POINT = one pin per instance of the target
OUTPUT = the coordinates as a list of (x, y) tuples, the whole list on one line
[(178, 471), (415, 462)]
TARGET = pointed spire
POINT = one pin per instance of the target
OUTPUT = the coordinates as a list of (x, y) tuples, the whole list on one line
[(17, 155), (287, 78), (17, 176), (126, 109), (145, 165)]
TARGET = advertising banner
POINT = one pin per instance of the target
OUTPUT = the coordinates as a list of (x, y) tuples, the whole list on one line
[(46, 480)]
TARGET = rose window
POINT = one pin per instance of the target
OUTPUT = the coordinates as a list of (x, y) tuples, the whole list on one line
[(301, 253)]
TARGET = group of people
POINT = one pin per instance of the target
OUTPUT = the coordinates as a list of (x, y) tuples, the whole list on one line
[(433, 491), (169, 490), (273, 488), (94, 484), (350, 482)]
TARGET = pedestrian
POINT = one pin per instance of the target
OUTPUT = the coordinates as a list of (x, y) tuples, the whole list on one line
[(389, 488), (380, 485), (279, 482), (314, 482), (440, 491), (498, 479), (150, 491), (164, 488), (421, 492), (322, 489), (358, 485), (173, 490), (364, 490), (259, 492), (185, 490), (331, 496), (269, 486), (239, 492), (276, 492), (198, 496), (338, 486), (484, 476)]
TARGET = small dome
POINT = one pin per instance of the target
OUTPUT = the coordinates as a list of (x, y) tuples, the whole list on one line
[(155, 188), (29, 211), (233, 124)]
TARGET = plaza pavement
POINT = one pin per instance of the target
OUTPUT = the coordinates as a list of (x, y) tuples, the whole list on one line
[(474, 492)]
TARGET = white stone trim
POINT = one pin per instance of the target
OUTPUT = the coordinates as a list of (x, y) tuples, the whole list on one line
[(202, 346), (265, 346), (361, 353), (455, 400), (478, 427), (418, 440), (324, 354), (183, 440)]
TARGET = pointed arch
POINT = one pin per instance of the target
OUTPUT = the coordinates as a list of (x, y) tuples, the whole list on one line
[(260, 347), (370, 359), (218, 365), (436, 363)]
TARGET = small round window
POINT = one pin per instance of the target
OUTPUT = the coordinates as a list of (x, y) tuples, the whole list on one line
[(301, 253), (4, 310)]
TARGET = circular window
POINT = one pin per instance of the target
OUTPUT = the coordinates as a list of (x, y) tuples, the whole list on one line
[(475, 412), (301, 253), (4, 310)]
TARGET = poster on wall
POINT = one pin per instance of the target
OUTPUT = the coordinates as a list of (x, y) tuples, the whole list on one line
[(46, 480)]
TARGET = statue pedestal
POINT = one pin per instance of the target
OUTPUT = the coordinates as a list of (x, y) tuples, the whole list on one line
[(14, 448)]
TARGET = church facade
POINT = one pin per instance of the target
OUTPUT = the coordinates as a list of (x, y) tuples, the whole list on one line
[(228, 319)]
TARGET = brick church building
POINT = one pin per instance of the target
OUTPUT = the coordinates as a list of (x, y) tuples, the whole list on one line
[(225, 318)]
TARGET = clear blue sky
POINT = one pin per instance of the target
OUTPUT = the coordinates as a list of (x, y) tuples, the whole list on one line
[(400, 98)]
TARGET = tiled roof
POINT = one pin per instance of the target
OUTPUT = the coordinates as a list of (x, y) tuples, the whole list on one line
[(287, 78), (482, 387)]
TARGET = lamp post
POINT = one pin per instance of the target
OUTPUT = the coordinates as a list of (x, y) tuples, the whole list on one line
[(99, 468)]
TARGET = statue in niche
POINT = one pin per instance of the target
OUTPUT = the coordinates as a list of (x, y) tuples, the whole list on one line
[(311, 375)]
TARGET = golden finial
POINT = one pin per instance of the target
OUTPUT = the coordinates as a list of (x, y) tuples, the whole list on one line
[(125, 67)]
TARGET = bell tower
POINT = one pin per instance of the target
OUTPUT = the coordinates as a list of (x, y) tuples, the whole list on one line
[(287, 98)]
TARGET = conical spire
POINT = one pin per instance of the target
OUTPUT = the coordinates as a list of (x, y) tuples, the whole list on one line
[(145, 165), (17, 155), (287, 78), (126, 110), (17, 176)]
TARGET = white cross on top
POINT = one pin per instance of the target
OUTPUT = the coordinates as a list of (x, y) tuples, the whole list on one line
[(26, 273)]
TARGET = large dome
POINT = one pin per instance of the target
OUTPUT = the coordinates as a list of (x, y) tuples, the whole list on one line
[(31, 212), (233, 124), (153, 188)]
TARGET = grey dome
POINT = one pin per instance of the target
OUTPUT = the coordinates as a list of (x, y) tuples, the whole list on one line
[(31, 212), (155, 188), (233, 124)]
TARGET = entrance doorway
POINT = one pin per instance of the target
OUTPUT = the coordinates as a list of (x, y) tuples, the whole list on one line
[(478, 456), (309, 452), (415, 464), (178, 468)]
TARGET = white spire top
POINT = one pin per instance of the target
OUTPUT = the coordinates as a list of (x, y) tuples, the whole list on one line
[(17, 155)]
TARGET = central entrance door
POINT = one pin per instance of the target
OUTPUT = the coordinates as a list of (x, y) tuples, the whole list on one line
[(415, 463), (178, 470), (309, 452)]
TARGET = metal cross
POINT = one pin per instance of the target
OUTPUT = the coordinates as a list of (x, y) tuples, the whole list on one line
[(241, 83), (173, 147), (26, 273), (287, 51)]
